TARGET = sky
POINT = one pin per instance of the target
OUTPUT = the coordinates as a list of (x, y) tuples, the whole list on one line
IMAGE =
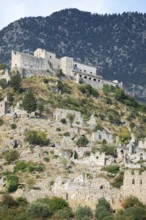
[(11, 10)]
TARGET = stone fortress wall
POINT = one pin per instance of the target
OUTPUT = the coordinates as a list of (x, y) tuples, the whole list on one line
[(43, 61), (31, 64)]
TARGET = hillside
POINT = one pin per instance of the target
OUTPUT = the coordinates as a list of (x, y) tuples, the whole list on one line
[(115, 42), (79, 140)]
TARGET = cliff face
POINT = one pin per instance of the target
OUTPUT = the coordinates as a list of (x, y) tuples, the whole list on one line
[(116, 43)]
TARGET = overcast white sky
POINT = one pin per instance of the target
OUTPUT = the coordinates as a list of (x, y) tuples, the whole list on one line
[(11, 10)]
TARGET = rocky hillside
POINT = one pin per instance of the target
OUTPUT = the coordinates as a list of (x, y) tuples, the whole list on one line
[(113, 42), (79, 145)]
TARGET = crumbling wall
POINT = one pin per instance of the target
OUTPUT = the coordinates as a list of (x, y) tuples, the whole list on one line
[(63, 113), (86, 189), (135, 184), (103, 135)]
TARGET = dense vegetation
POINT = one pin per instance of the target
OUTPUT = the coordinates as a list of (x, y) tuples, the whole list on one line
[(58, 209), (36, 138)]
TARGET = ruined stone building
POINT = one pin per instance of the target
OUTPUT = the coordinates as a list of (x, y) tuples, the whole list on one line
[(43, 61), (135, 184)]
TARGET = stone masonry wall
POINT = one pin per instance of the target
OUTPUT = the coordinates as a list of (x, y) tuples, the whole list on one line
[(135, 184), (86, 191), (22, 61), (84, 68), (95, 81), (103, 135), (63, 113), (67, 65)]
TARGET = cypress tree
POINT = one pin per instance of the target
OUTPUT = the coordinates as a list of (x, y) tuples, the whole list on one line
[(29, 102)]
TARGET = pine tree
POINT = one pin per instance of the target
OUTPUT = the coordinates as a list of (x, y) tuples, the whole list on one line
[(29, 102)]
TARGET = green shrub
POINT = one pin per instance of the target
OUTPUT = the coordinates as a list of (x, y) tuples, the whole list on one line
[(88, 90), (140, 133), (70, 117), (58, 207), (38, 210), (8, 201), (56, 203), (63, 214), (46, 159), (113, 116), (118, 180), (114, 120), (108, 101), (36, 138), (112, 169), (1, 96), (21, 201), (28, 167), (40, 106), (12, 183), (1, 122), (63, 120), (98, 127), (132, 201), (132, 125), (101, 116), (131, 116), (45, 81), (63, 87), (67, 134), (109, 150), (13, 126), (11, 156), (124, 136), (83, 212), (132, 213), (58, 129), (103, 209), (108, 89), (82, 142), (21, 166), (10, 96), (3, 83)]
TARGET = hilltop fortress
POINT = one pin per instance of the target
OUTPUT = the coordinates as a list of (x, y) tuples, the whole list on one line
[(44, 62)]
